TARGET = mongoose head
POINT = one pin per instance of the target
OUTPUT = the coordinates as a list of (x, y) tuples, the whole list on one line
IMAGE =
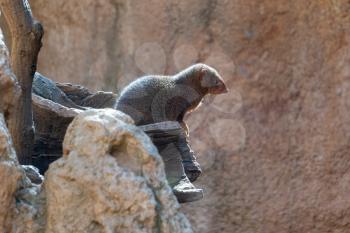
[(211, 80)]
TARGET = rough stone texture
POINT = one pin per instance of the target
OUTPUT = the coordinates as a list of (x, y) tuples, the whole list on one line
[(33, 174), (110, 179), (20, 200), (9, 88), (54, 107), (82, 96), (274, 150), (10, 176), (51, 121)]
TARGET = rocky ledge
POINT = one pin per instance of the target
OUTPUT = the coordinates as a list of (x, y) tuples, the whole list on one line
[(110, 179)]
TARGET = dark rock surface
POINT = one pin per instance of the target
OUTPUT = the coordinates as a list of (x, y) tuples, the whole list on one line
[(54, 107), (51, 121)]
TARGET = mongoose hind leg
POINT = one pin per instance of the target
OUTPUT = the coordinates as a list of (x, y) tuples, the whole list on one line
[(189, 162)]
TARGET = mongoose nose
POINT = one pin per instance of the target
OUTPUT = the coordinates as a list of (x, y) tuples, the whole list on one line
[(223, 89)]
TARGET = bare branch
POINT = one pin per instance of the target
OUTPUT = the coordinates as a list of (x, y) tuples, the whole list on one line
[(26, 36)]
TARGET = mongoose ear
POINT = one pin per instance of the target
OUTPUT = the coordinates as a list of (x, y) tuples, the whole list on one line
[(201, 72), (204, 78)]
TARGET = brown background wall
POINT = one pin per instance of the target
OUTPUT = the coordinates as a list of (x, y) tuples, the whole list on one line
[(276, 150)]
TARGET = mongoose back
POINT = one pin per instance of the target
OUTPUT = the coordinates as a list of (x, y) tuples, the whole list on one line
[(152, 99)]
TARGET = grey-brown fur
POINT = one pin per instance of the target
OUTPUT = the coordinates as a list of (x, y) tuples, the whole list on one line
[(152, 99)]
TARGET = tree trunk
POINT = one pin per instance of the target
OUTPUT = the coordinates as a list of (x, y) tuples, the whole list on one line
[(25, 36)]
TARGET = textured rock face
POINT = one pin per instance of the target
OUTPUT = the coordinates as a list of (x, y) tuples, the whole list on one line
[(110, 179), (20, 200), (51, 121), (10, 175), (54, 107), (274, 150), (20, 208)]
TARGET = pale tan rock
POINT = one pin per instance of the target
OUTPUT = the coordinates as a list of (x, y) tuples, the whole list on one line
[(10, 176), (9, 88), (110, 179), (20, 200), (118, 185)]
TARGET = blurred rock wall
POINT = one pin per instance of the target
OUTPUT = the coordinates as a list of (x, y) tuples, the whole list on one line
[(275, 150)]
